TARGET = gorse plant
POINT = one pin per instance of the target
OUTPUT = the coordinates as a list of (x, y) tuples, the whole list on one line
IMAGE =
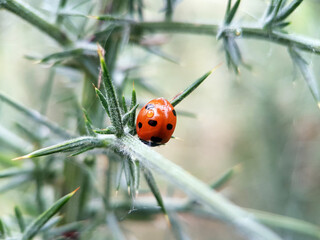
[(94, 52)]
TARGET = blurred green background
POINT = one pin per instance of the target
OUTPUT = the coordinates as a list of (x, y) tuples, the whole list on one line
[(265, 118)]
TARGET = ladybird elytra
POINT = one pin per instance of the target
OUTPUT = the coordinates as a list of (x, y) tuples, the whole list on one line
[(156, 122)]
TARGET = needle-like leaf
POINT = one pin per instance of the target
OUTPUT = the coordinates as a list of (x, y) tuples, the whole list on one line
[(286, 11), (169, 9), (74, 145), (306, 73), (25, 11), (178, 230), (15, 183), (273, 15), (132, 117), (51, 222), (112, 100), (35, 116), (81, 151), (177, 99), (36, 225), (233, 53), (137, 176), (63, 55), (88, 123), (129, 176), (2, 231), (114, 225), (30, 134), (145, 85), (158, 52), (11, 172), (119, 175), (232, 12), (126, 117), (108, 130), (111, 18), (133, 174), (20, 219), (124, 105), (155, 190), (270, 7), (228, 8), (225, 177), (103, 101), (140, 9)]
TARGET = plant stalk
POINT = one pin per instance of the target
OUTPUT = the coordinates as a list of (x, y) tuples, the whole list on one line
[(29, 14), (257, 32), (196, 189)]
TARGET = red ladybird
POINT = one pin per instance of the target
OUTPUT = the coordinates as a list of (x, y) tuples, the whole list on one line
[(156, 122)]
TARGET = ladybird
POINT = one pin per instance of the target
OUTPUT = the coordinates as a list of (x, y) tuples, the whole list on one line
[(156, 122)]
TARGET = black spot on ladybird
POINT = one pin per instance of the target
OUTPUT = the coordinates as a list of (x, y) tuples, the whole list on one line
[(140, 125), (149, 106), (169, 126), (150, 143), (152, 123), (156, 139), (174, 112)]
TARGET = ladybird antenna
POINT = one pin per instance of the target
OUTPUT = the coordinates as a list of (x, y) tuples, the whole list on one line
[(177, 138)]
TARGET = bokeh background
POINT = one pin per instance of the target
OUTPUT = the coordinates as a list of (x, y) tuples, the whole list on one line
[(264, 119)]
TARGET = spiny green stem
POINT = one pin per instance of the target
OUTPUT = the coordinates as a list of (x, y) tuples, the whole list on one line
[(304, 43), (193, 187), (229, 212), (29, 14)]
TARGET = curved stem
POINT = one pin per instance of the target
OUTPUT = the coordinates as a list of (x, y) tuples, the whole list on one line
[(32, 16), (196, 189), (257, 32), (306, 44)]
